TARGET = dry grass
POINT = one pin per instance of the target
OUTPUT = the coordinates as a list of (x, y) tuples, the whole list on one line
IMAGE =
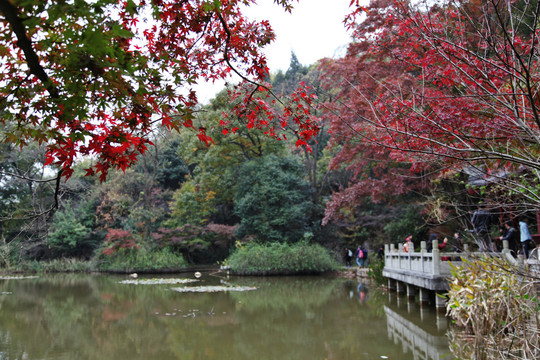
[(496, 309)]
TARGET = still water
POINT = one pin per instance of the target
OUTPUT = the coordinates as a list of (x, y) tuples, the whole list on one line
[(98, 317)]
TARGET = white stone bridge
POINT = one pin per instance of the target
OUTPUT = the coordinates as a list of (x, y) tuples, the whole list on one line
[(424, 273)]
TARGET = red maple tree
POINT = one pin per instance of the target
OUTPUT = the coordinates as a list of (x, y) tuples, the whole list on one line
[(441, 87)]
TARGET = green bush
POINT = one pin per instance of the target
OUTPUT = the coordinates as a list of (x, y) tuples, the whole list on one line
[(410, 222), (71, 234), (281, 259), (375, 271), (123, 260), (130, 260)]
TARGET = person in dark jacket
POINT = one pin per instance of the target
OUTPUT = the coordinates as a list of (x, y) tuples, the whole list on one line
[(457, 243), (481, 221), (512, 236)]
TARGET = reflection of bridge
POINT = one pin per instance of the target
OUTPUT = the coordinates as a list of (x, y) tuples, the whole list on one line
[(422, 273), (415, 339)]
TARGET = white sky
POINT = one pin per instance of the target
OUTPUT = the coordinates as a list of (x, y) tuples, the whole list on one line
[(314, 30)]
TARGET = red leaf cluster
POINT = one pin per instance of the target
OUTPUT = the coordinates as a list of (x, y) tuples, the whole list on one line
[(257, 107), (117, 239)]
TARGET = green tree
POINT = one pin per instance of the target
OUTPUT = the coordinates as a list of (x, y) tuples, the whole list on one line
[(285, 83), (172, 169), (273, 200), (69, 234), (408, 221), (208, 195)]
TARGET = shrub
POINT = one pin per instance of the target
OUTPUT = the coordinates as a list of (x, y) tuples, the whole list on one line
[(119, 240), (375, 271), (198, 244), (281, 259)]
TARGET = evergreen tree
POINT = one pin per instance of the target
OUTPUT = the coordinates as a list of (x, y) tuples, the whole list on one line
[(273, 200)]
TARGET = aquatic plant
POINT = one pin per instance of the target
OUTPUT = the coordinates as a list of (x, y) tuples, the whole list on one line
[(157, 281), (212, 289)]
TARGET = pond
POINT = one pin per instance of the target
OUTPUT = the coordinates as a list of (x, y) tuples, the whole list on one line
[(74, 316)]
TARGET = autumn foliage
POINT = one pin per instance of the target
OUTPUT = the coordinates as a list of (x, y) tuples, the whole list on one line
[(118, 239), (435, 88)]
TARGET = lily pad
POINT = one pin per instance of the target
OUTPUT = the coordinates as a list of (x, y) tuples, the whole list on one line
[(17, 277), (157, 281), (212, 289)]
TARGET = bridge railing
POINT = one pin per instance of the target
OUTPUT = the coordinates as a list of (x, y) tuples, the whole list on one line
[(436, 263), (423, 262)]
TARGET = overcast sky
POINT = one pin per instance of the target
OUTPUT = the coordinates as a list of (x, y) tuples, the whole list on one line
[(314, 30)]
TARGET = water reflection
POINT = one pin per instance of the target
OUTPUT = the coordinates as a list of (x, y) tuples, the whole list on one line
[(418, 335), (95, 317)]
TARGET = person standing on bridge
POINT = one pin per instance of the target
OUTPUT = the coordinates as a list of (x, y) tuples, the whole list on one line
[(408, 245), (481, 221), (525, 237), (511, 235), (457, 243)]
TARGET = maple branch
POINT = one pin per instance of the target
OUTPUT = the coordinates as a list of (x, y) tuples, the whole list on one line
[(434, 41), (26, 178), (11, 15), (480, 153), (515, 52), (226, 56), (226, 52), (502, 181), (227, 60)]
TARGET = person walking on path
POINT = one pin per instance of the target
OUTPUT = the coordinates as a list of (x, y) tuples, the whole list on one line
[(525, 237), (365, 251), (359, 256), (348, 257)]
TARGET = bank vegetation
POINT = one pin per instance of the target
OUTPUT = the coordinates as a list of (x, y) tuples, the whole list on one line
[(496, 310)]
